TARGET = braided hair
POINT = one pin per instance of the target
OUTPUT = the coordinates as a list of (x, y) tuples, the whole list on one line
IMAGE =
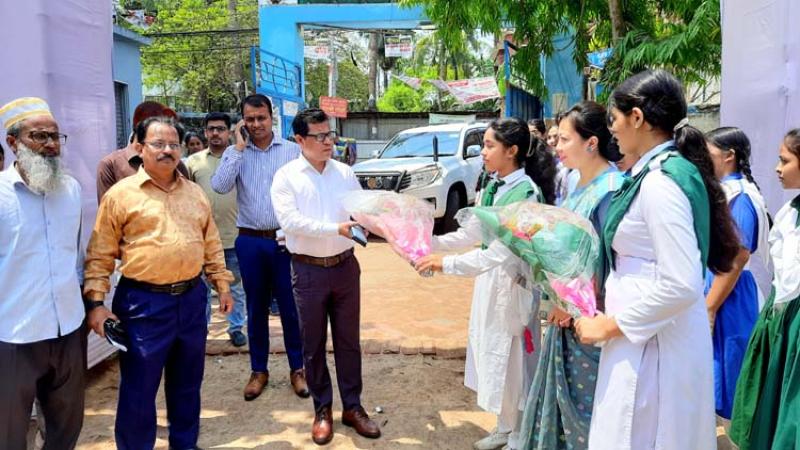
[(732, 138), (660, 97)]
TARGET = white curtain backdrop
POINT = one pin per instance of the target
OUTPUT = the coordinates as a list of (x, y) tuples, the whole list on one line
[(760, 81), (60, 50)]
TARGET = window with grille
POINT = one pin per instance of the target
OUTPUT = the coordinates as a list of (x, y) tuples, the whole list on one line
[(121, 113)]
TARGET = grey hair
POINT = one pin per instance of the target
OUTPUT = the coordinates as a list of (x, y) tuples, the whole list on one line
[(14, 129)]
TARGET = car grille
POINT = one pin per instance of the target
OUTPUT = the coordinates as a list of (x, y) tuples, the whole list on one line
[(382, 181), (405, 181)]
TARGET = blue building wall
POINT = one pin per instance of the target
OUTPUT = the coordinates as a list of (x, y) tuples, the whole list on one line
[(126, 64), (562, 76)]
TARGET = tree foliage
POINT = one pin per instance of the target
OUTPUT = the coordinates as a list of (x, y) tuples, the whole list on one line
[(352, 84), (681, 35), (202, 71)]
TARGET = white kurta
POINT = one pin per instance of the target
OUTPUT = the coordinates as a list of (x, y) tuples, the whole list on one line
[(784, 242), (655, 386), (503, 304)]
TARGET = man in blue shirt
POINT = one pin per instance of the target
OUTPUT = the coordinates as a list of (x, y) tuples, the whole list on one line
[(42, 346), (250, 165)]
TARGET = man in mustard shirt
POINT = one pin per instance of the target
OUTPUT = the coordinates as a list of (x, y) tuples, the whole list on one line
[(159, 224)]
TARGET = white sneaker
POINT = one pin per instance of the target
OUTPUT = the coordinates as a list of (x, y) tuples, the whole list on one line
[(494, 441)]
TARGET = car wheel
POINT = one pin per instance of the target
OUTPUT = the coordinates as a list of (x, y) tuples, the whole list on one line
[(449, 222)]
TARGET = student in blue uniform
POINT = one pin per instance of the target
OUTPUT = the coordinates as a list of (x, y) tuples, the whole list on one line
[(732, 298)]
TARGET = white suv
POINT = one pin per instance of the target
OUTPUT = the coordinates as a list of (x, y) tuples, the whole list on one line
[(407, 164)]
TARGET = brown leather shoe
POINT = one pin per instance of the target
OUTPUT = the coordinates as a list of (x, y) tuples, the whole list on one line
[(360, 421), (322, 430), (298, 378), (254, 388)]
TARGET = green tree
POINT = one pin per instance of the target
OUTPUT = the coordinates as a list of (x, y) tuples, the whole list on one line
[(680, 35), (198, 61), (401, 98), (352, 84)]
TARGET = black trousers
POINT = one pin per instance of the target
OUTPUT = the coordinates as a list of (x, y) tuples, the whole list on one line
[(52, 371), (323, 293)]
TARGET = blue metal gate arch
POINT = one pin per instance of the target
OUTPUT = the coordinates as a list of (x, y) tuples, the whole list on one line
[(278, 65)]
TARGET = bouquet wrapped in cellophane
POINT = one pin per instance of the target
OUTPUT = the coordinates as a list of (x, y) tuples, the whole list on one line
[(405, 222), (561, 247)]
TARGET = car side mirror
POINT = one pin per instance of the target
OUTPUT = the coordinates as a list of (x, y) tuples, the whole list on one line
[(473, 151)]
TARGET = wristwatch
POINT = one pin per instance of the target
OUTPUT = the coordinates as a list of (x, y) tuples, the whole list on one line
[(92, 304)]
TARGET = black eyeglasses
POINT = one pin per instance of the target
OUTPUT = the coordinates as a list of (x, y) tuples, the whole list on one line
[(43, 137), (320, 137), (216, 129), (162, 145)]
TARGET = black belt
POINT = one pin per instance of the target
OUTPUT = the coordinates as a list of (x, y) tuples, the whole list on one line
[(172, 289), (328, 261), (268, 234)]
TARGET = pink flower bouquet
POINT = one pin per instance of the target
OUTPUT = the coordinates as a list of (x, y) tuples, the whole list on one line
[(405, 222)]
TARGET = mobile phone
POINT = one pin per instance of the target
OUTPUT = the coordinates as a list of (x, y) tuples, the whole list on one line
[(244, 132), (357, 234), (115, 334)]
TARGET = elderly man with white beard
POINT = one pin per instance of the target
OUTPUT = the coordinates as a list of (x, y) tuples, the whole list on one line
[(41, 269)]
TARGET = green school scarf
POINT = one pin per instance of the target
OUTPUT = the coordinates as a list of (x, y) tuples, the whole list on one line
[(687, 177)]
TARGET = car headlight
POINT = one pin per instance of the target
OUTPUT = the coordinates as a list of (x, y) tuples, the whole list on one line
[(423, 177)]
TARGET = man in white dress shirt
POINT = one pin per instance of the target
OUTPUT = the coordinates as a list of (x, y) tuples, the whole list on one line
[(42, 348), (306, 195)]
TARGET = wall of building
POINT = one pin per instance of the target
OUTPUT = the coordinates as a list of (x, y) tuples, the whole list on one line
[(126, 64), (564, 80)]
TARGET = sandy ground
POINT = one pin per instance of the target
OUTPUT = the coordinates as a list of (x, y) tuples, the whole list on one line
[(425, 406), (403, 316), (413, 333)]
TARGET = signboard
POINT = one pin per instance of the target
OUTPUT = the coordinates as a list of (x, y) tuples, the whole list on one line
[(474, 89), (436, 119), (290, 108), (398, 46), (317, 51), (334, 106), (277, 127)]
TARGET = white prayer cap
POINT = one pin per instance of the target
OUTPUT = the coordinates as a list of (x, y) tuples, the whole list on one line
[(21, 109)]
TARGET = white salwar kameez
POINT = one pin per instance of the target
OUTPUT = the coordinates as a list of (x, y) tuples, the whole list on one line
[(503, 304), (655, 387)]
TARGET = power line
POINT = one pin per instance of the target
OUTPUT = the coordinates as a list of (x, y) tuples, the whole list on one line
[(202, 32), (196, 50)]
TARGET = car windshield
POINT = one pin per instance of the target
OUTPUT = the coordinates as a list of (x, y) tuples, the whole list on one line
[(411, 145)]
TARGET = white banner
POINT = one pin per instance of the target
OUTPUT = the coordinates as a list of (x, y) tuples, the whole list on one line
[(474, 89), (439, 84), (412, 82), (398, 46)]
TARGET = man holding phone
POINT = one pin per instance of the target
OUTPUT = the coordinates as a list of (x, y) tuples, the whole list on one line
[(250, 165), (307, 197)]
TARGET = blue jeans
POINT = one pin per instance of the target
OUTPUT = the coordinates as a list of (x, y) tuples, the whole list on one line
[(238, 315), (266, 274)]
